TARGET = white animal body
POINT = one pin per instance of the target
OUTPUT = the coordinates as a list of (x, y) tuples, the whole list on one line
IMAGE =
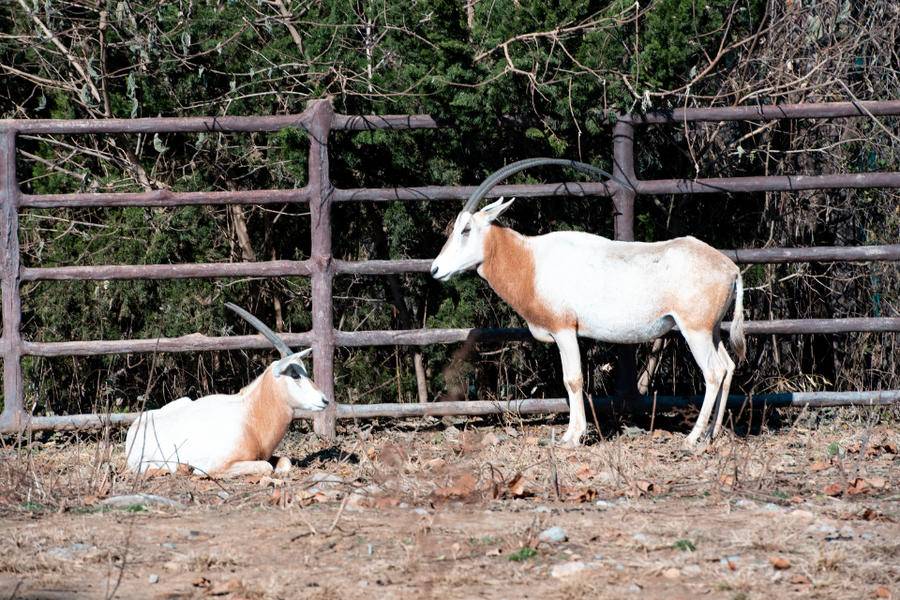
[(226, 435), (567, 284)]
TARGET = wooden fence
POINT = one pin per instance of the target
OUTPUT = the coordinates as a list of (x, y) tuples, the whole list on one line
[(319, 120)]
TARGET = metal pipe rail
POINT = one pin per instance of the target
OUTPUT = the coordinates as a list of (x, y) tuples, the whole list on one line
[(529, 406), (319, 121)]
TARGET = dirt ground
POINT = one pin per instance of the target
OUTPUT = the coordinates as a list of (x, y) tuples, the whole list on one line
[(456, 509)]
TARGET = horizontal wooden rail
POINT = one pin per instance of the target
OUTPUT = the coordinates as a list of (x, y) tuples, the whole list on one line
[(370, 122), (823, 110), (225, 124), (164, 198), (462, 192), (275, 268), (519, 407), (770, 183), (290, 268), (196, 342), (746, 256)]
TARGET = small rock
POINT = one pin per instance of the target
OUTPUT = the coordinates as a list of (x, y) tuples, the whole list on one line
[(821, 527), (324, 477), (490, 439), (692, 570), (421, 511), (671, 573), (222, 494), (74, 551), (802, 514), (140, 499), (168, 545), (542, 509), (744, 503), (641, 538), (771, 507), (154, 578), (603, 504), (553, 535), (633, 588), (567, 569)]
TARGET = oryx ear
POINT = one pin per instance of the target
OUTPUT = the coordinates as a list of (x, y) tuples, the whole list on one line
[(293, 359), (495, 209)]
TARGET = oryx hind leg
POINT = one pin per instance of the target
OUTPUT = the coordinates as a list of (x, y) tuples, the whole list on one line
[(726, 386), (703, 346)]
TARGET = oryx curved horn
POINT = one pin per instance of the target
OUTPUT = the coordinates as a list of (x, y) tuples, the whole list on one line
[(488, 184), (270, 335)]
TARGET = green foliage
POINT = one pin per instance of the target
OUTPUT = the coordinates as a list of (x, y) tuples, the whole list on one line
[(510, 80), (685, 545), (522, 554)]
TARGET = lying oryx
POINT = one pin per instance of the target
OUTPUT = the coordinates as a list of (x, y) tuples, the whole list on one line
[(567, 284), (227, 435)]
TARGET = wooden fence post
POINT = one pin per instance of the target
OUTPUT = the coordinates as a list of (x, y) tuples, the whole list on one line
[(623, 202), (12, 416), (321, 260)]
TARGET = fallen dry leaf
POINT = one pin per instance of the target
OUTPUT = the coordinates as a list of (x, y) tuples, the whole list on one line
[(889, 447), (859, 486), (580, 495), (200, 582), (882, 592), (387, 502), (833, 489), (515, 487), (726, 480), (154, 472), (462, 486), (780, 563), (232, 586), (878, 483), (799, 579), (469, 442), (584, 472), (660, 434), (392, 455), (819, 465), (435, 464), (641, 487)]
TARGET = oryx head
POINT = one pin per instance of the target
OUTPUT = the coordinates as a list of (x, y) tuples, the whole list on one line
[(464, 248), (289, 372)]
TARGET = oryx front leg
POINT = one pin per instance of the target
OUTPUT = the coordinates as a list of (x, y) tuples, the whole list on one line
[(245, 468), (567, 341)]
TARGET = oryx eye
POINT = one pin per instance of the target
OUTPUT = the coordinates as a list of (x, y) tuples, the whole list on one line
[(466, 229), (295, 372)]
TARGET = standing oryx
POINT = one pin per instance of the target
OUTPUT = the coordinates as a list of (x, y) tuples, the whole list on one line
[(566, 284), (227, 435)]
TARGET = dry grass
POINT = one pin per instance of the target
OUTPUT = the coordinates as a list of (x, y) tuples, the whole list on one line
[(440, 510)]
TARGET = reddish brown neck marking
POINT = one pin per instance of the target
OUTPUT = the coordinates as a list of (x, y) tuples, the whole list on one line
[(268, 418), (509, 269)]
